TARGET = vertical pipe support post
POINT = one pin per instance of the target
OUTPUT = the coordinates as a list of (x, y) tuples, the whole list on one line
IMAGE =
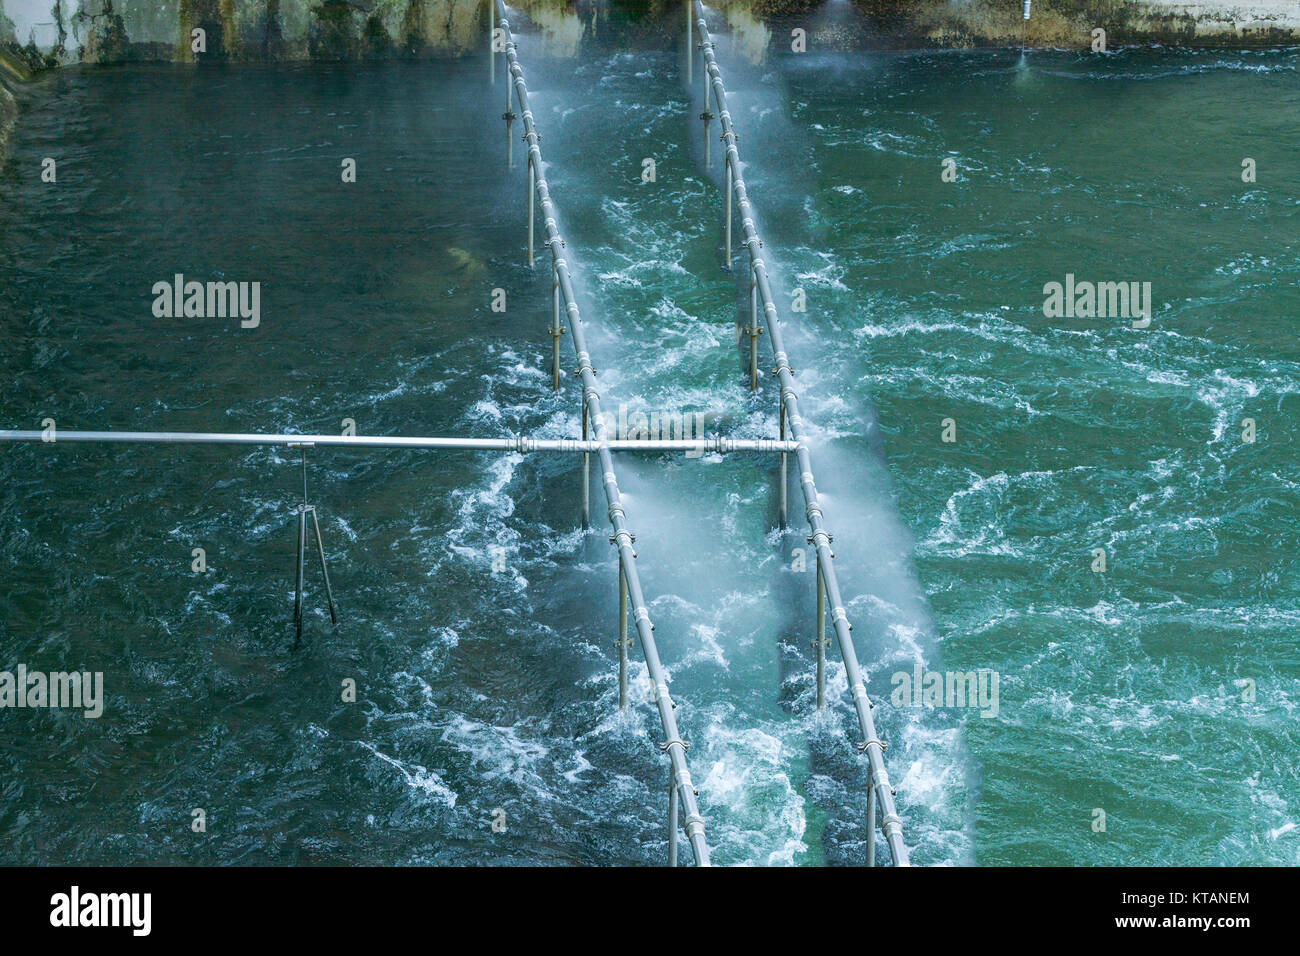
[(871, 818), (690, 45), (784, 483), (672, 817), (623, 643), (586, 484), (556, 330), (820, 641), (532, 207), (726, 248)]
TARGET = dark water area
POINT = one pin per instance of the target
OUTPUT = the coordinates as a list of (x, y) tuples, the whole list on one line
[(478, 619)]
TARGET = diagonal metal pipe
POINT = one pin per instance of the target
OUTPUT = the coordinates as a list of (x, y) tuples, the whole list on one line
[(891, 823), (622, 536)]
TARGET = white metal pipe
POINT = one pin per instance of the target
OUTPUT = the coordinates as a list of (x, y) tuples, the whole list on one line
[(522, 444), (878, 778), (622, 536)]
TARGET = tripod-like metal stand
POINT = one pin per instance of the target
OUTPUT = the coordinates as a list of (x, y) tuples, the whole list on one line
[(302, 556)]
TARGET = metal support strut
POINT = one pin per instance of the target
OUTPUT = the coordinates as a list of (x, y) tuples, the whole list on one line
[(586, 473), (726, 245), (623, 643), (556, 330), (871, 821), (303, 509), (754, 330), (820, 641), (532, 204), (784, 456), (509, 116), (672, 819), (690, 48)]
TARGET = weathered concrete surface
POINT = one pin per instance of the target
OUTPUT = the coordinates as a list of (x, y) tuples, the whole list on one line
[(8, 114), (1069, 23), (46, 32), (12, 70), (112, 30)]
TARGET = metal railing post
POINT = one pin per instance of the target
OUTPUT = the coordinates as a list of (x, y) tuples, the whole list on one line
[(532, 203), (754, 331), (509, 116), (672, 818), (622, 643), (690, 45), (871, 819), (726, 247), (820, 641), (297, 592), (556, 331), (586, 475), (784, 456)]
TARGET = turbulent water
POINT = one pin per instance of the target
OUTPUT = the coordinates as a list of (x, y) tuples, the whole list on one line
[(478, 619)]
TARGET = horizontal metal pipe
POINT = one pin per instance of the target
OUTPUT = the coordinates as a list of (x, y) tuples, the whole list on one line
[(622, 537), (521, 444), (891, 822)]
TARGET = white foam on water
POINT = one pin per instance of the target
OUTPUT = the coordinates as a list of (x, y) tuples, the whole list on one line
[(418, 778)]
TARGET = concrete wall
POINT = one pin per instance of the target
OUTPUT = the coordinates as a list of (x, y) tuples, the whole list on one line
[(8, 113), (1069, 23), (110, 30), (115, 30)]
